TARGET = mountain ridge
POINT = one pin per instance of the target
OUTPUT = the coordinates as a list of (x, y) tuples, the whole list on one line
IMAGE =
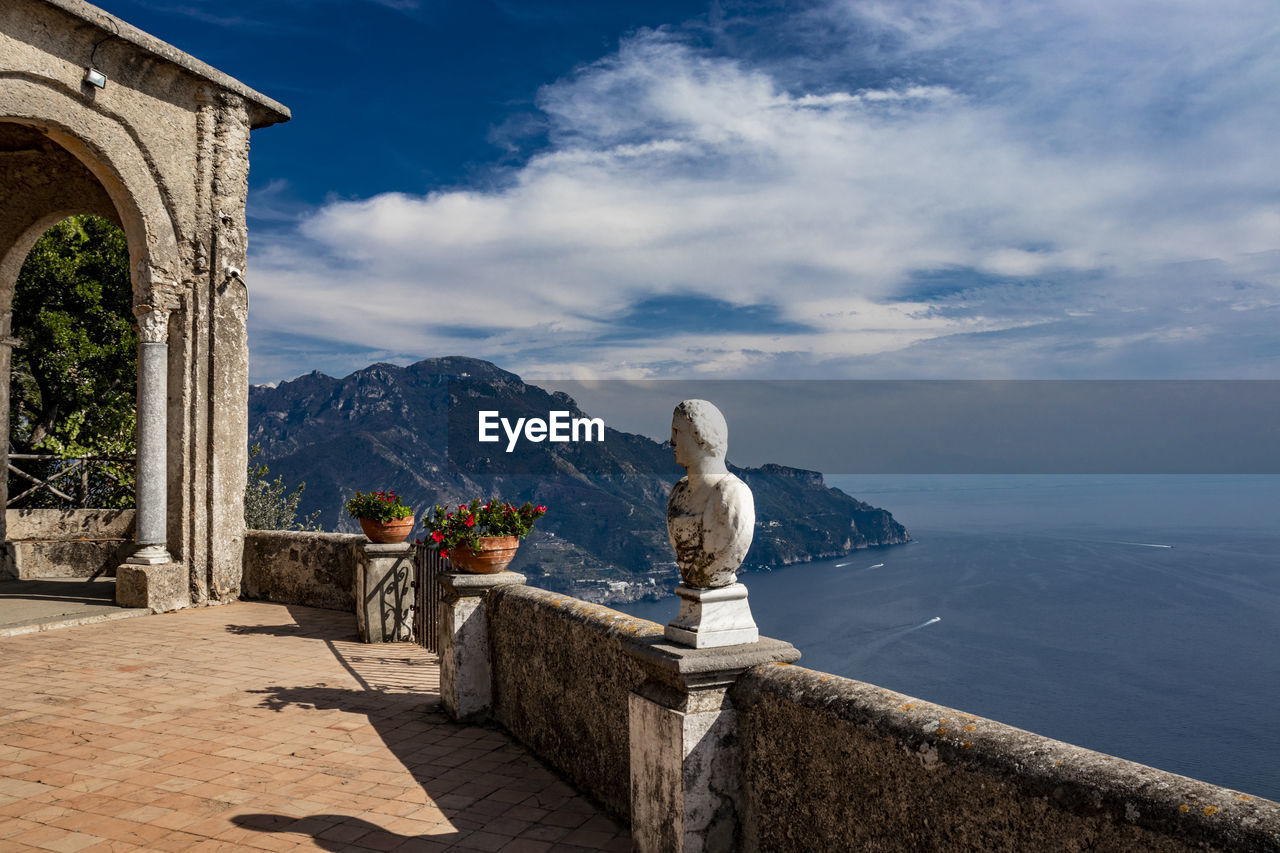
[(411, 429)]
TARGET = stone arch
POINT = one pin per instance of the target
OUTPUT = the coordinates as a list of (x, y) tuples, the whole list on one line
[(66, 158), (109, 149), (45, 183)]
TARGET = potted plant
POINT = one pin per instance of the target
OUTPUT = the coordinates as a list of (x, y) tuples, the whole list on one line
[(481, 537), (382, 515)]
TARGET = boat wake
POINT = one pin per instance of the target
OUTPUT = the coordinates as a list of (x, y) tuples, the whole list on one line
[(893, 635)]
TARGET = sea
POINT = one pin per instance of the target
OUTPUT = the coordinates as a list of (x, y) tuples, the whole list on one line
[(1134, 615)]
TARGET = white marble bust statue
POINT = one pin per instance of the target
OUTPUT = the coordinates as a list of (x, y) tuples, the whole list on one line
[(711, 515)]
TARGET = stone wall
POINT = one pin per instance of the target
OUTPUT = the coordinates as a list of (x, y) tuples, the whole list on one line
[(291, 567), (60, 525), (561, 684), (65, 543), (835, 764)]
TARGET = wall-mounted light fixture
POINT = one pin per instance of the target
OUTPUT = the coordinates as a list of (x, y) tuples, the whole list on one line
[(92, 75)]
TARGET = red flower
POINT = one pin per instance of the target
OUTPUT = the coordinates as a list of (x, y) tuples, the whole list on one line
[(471, 522), (540, 508), (444, 553), (437, 536)]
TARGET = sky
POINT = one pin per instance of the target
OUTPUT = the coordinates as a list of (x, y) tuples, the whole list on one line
[(884, 189)]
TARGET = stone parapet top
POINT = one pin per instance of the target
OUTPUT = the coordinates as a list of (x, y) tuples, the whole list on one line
[(467, 584), (686, 668), (380, 549), (306, 536)]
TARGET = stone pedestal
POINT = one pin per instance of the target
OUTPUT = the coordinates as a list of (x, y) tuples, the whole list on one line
[(161, 587), (709, 618), (466, 675), (383, 592), (685, 760)]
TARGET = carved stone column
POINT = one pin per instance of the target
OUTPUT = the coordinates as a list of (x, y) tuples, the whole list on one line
[(7, 344), (152, 465), (6, 353), (150, 578)]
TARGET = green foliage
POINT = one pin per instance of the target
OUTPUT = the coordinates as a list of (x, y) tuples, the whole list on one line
[(74, 379), (378, 506), (268, 504), (453, 529)]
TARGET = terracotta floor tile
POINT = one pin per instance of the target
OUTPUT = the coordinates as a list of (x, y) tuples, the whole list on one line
[(108, 846), (74, 821), (344, 832), (526, 845), (526, 812), (175, 820), (37, 835), (73, 843), (485, 841), (543, 832), (588, 838)]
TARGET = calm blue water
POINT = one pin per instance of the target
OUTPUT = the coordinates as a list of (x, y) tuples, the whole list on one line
[(1041, 602)]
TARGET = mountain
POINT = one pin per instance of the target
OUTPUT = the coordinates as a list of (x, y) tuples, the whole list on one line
[(413, 430)]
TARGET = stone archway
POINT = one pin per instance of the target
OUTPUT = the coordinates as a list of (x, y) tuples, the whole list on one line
[(162, 150)]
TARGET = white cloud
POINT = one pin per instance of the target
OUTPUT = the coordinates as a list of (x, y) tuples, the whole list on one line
[(1077, 157)]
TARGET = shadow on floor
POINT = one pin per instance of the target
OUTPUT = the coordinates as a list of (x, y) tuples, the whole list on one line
[(488, 788), (85, 590), (58, 600)]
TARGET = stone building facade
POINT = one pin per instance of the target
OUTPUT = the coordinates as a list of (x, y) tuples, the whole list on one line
[(162, 149)]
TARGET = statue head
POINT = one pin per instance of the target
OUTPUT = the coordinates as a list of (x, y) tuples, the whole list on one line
[(698, 431)]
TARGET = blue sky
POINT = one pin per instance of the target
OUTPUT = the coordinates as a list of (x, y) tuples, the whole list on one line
[(828, 189)]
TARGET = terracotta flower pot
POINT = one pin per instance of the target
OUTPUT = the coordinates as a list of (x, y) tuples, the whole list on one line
[(387, 532), (494, 555)]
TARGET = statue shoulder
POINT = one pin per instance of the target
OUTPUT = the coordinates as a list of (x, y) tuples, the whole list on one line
[(734, 485)]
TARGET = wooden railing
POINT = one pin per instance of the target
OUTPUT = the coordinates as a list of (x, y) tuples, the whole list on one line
[(83, 469)]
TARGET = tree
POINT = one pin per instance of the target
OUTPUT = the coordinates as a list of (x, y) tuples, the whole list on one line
[(74, 380), (268, 504)]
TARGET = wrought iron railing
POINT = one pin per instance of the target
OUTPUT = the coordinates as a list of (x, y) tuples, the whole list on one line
[(427, 566), (112, 469)]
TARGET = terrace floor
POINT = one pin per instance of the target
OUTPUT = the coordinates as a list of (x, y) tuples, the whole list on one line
[(259, 726)]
